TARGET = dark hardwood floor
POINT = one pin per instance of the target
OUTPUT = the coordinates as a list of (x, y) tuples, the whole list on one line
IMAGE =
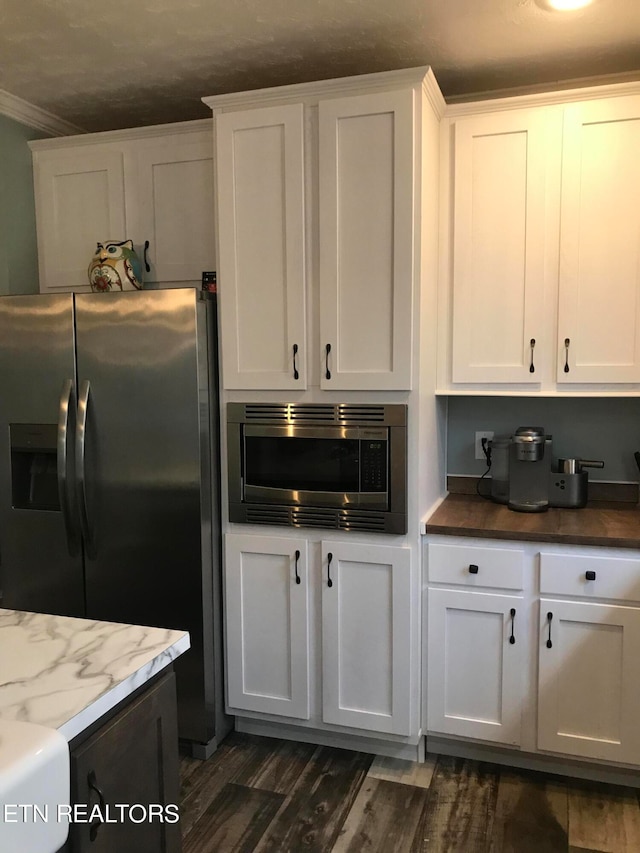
[(259, 794)]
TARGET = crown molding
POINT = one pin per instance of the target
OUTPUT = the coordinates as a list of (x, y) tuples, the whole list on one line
[(35, 117), (126, 134), (310, 93)]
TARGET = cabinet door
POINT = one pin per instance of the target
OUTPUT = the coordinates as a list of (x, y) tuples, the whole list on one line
[(266, 597), (599, 303), (366, 241), (475, 658), (79, 201), (261, 264), (174, 206), (499, 231), (132, 759), (367, 620), (589, 691)]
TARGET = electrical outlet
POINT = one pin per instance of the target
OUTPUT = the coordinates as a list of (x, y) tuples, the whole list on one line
[(488, 434)]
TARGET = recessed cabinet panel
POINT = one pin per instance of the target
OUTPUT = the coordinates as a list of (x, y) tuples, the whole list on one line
[(79, 200), (366, 240), (498, 247), (599, 306), (260, 178), (588, 692), (476, 643), (176, 208), (267, 624), (366, 636)]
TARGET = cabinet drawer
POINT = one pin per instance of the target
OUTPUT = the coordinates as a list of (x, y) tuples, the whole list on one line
[(455, 564), (609, 577)]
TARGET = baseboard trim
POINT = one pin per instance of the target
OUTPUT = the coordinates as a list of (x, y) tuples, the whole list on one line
[(408, 751)]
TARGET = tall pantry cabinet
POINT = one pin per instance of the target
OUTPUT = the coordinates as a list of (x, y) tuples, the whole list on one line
[(326, 219)]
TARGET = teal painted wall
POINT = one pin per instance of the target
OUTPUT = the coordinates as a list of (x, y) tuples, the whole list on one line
[(588, 428), (18, 247)]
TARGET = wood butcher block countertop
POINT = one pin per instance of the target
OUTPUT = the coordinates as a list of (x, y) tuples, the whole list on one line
[(613, 524)]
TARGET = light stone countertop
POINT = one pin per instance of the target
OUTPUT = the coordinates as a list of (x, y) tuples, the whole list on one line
[(65, 673)]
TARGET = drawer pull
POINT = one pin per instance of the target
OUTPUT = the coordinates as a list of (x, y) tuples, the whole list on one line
[(512, 638), (296, 565), (329, 559), (590, 576), (549, 618), (473, 569)]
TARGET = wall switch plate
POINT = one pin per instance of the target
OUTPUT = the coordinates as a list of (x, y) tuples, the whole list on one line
[(488, 434)]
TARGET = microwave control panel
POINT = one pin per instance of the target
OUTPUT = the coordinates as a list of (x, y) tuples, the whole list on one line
[(373, 466)]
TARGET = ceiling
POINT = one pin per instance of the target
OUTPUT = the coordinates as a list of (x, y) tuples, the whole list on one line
[(125, 63)]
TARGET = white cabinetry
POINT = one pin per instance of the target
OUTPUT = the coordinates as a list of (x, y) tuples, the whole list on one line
[(557, 676), (542, 277), (588, 689), (599, 298), (318, 201), (260, 202), (477, 642), (366, 633), (154, 184)]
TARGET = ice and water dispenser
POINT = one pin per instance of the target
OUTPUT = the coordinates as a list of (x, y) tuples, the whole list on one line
[(34, 477)]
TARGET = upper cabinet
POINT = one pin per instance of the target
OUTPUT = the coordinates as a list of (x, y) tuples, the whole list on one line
[(154, 184), (261, 237), (541, 269), (318, 205), (599, 295)]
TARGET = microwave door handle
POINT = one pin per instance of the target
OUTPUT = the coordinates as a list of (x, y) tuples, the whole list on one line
[(81, 490), (67, 402)]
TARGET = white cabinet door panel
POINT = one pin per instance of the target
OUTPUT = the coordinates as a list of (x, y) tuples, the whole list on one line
[(475, 686), (589, 691), (267, 624), (499, 242), (261, 265), (599, 305), (366, 636), (366, 241), (79, 201)]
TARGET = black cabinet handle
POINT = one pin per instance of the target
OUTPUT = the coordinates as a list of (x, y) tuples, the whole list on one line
[(549, 618), (296, 566), (532, 344), (567, 343), (327, 373), (96, 822), (590, 576), (512, 638), (296, 375), (146, 262), (329, 559), (473, 569)]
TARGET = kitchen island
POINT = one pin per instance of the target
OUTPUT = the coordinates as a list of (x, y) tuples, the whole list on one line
[(109, 689)]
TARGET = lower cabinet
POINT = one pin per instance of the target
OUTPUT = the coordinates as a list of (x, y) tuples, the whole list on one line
[(574, 669), (365, 631), (131, 760), (475, 671)]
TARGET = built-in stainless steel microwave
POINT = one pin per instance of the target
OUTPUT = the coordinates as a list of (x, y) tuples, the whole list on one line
[(341, 466)]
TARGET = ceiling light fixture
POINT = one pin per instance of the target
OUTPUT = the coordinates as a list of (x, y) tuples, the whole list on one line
[(563, 5)]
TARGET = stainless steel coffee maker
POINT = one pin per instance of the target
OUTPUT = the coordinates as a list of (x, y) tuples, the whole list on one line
[(520, 466)]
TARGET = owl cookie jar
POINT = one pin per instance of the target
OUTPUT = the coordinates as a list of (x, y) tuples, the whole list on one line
[(115, 266)]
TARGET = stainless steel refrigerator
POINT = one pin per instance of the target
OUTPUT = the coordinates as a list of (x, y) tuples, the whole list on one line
[(109, 472)]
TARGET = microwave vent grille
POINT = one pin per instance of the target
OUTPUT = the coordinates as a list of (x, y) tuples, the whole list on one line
[(268, 515), (311, 517), (353, 520), (354, 413), (314, 413)]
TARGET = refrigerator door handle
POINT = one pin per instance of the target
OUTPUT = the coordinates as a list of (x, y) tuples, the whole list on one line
[(81, 491), (67, 403)]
